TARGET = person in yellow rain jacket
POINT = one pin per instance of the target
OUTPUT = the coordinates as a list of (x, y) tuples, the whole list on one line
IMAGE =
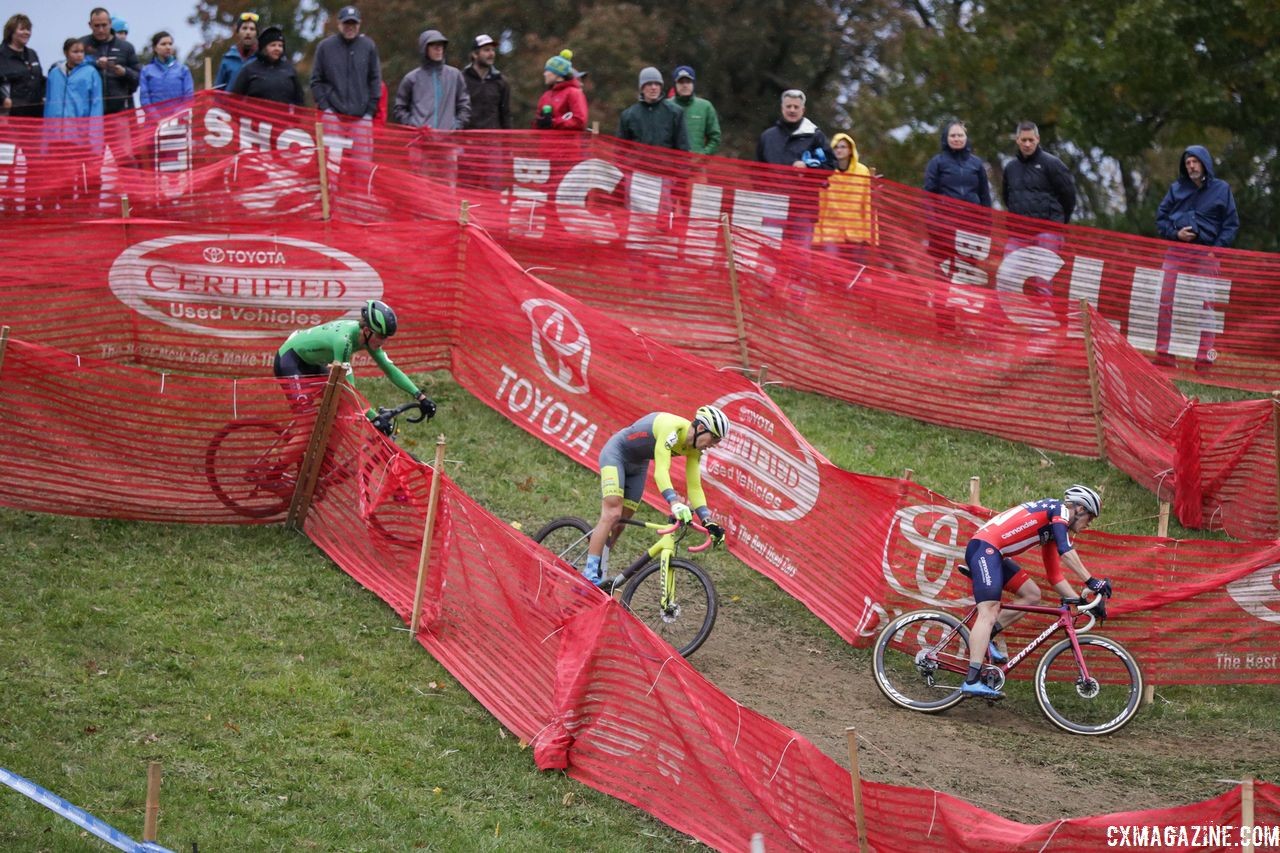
[(846, 224)]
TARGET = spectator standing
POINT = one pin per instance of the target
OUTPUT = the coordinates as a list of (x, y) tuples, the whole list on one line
[(271, 76), (563, 106), (243, 50), (845, 226), (20, 73), (1035, 183), (1199, 210), (164, 78), (75, 87), (955, 171), (794, 140), (347, 75), (489, 91), (652, 120), (116, 61), (433, 95), (701, 121)]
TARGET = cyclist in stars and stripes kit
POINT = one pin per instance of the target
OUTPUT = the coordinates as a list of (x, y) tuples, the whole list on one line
[(1046, 522)]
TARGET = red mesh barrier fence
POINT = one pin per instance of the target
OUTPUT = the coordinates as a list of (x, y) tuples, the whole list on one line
[(975, 266), (556, 661), (538, 356), (1217, 461)]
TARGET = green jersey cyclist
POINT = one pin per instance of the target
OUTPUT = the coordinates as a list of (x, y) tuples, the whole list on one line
[(308, 352), (624, 467)]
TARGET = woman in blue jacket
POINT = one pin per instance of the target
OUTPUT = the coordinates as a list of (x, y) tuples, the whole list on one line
[(75, 87), (164, 78), (956, 171)]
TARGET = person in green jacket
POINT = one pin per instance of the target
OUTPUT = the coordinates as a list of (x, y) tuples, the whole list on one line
[(700, 119)]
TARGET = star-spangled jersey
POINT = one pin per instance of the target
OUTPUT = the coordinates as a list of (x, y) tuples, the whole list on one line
[(1036, 523)]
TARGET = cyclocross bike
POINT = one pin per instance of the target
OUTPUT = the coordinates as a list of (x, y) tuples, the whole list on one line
[(1085, 684), (246, 471), (673, 596)]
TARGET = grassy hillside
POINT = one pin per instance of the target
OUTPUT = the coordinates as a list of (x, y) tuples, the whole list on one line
[(289, 707)]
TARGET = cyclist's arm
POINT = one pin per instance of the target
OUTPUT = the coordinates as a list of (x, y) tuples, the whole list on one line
[(666, 434), (395, 374), (693, 484)]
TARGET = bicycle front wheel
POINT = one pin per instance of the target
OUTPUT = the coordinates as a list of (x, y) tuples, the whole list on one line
[(920, 660), (242, 466), (684, 620), (568, 539), (1104, 702)]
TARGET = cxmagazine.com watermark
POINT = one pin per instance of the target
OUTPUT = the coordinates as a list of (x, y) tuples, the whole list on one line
[(1206, 836)]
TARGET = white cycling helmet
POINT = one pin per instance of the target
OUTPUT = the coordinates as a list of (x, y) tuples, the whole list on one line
[(1083, 496), (714, 420)]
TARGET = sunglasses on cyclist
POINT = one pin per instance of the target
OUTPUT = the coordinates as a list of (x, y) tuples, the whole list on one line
[(249, 16)]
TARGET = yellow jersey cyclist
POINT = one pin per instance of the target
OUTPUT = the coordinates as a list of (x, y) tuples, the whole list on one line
[(624, 467), (308, 352)]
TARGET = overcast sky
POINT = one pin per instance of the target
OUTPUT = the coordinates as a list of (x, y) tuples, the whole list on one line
[(53, 21)]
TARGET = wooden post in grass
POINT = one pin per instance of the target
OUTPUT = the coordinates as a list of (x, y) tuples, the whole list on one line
[(1162, 525), (424, 556), (1148, 693), (152, 813), (309, 474), (4, 343), (727, 231), (1275, 418), (1246, 814), (322, 160), (208, 72), (859, 819), (908, 474), (1095, 395), (975, 491)]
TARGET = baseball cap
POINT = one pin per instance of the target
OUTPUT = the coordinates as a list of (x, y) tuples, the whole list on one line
[(683, 71), (349, 13), (119, 25), (482, 40)]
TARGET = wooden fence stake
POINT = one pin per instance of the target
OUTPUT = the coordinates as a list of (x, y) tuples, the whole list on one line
[(1246, 815), (4, 344), (1094, 393), (595, 128), (1275, 418), (859, 819), (424, 557), (975, 491), (208, 72), (733, 290), (464, 213), (757, 842), (908, 474), (764, 371), (309, 473), (322, 159), (125, 210), (1162, 526), (152, 814), (1148, 693)]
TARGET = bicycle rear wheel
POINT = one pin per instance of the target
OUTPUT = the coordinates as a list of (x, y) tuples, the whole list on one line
[(567, 538), (1104, 703), (920, 660), (241, 464), (685, 621)]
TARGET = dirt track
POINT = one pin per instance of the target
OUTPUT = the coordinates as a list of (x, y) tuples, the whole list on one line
[(1007, 759)]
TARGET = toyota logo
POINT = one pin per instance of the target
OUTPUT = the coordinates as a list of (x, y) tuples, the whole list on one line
[(214, 255), (560, 344)]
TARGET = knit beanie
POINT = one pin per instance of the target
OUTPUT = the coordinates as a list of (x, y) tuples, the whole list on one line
[(560, 64), (650, 75)]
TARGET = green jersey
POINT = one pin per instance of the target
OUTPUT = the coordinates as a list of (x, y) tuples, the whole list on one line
[(337, 341)]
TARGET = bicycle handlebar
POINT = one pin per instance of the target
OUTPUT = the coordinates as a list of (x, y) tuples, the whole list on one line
[(402, 408), (672, 527)]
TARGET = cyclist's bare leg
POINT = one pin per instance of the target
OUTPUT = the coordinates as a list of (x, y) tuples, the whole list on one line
[(980, 633), (1027, 595), (611, 515)]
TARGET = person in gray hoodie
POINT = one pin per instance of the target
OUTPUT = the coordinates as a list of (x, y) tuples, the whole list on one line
[(433, 95)]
